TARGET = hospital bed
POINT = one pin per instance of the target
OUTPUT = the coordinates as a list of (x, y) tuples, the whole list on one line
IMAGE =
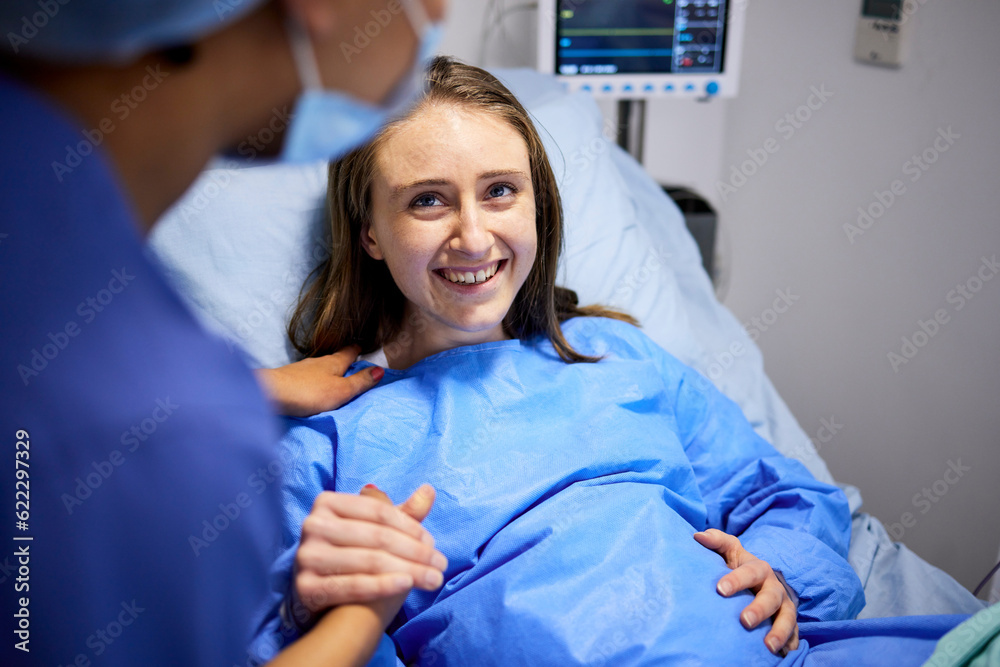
[(240, 243)]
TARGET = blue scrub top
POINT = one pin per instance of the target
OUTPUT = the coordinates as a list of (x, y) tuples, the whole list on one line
[(147, 453)]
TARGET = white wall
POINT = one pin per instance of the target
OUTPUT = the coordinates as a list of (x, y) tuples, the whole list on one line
[(828, 355), (897, 429)]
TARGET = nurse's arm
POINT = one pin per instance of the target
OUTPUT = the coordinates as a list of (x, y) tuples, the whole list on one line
[(316, 384), (347, 635)]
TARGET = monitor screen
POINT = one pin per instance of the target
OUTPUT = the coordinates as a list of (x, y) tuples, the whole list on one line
[(643, 36), (883, 9), (643, 48)]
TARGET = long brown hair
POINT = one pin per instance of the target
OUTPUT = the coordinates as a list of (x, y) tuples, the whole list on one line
[(354, 298)]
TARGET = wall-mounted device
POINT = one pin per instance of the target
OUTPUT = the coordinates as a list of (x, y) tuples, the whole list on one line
[(883, 35), (643, 48)]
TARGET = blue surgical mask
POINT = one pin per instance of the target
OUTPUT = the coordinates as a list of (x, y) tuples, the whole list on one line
[(328, 124)]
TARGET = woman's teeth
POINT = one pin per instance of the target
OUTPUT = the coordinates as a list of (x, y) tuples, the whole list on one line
[(468, 278)]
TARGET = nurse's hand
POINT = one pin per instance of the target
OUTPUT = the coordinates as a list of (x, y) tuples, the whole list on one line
[(751, 573), (317, 384), (362, 549)]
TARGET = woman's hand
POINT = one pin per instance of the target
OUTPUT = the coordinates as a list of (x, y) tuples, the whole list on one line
[(751, 573), (317, 384), (362, 549)]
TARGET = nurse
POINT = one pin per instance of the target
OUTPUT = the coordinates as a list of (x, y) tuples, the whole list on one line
[(140, 472)]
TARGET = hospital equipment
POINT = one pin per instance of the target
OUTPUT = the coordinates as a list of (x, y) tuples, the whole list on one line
[(242, 241), (643, 48), (883, 33)]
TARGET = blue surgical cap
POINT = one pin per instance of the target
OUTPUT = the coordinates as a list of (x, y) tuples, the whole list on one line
[(110, 31)]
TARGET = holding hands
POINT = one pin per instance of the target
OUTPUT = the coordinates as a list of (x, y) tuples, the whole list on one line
[(363, 549), (751, 573)]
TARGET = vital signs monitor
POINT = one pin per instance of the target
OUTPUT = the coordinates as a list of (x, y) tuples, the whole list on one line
[(643, 48)]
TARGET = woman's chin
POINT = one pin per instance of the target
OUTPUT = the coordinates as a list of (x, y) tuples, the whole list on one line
[(472, 331)]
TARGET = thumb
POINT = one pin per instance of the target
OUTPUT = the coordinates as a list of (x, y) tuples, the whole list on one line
[(726, 545), (713, 539), (419, 504)]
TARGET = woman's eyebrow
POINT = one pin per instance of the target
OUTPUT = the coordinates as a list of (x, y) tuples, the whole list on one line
[(502, 172), (400, 189)]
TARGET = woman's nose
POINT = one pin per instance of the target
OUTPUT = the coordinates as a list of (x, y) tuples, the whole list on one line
[(472, 236)]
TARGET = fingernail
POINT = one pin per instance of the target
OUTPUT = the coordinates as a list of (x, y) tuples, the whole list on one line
[(772, 644), (433, 579), (439, 561), (749, 619), (725, 588), (370, 486), (378, 373), (426, 490)]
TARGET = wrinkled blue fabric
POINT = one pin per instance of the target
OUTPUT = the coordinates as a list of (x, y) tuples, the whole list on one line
[(905, 641), (568, 495)]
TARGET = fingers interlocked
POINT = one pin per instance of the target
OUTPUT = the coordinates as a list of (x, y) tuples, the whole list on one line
[(361, 548)]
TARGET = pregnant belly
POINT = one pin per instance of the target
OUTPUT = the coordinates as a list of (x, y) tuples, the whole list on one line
[(596, 575)]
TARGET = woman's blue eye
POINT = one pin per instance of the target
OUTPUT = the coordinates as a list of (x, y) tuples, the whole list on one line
[(501, 189), (425, 200)]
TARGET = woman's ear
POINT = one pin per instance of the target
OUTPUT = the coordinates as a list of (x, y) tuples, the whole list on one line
[(370, 243)]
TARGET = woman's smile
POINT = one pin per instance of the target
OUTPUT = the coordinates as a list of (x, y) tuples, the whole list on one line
[(471, 276)]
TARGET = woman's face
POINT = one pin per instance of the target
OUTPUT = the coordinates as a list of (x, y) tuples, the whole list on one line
[(453, 217)]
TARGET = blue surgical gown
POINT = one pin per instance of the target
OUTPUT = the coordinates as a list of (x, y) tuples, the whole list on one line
[(567, 498), (150, 474)]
